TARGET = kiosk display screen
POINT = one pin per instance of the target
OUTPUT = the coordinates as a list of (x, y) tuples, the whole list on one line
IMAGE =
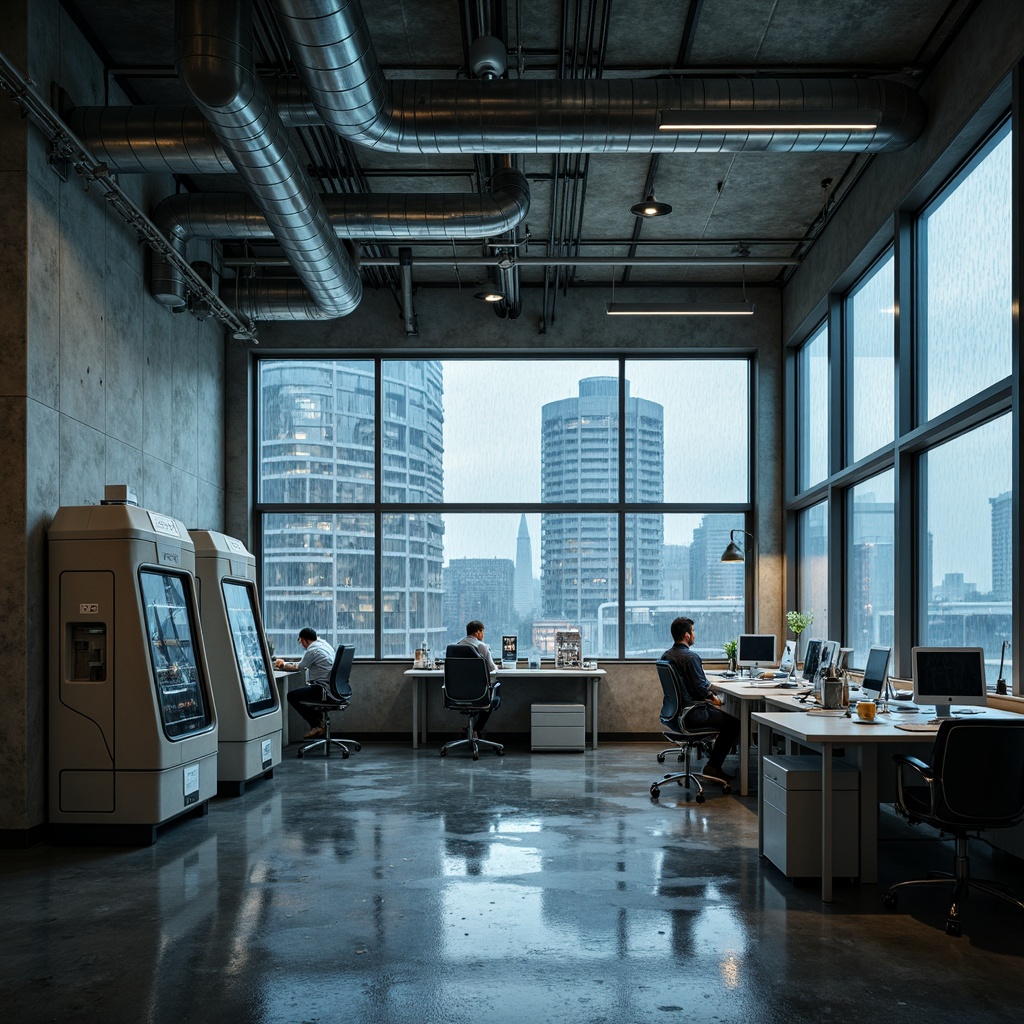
[(253, 669), (179, 686)]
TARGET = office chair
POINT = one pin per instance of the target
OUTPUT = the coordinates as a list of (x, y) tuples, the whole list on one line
[(673, 714), (337, 695), (975, 782), (467, 689)]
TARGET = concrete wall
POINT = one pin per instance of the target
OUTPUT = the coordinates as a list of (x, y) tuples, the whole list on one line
[(99, 384), (452, 322)]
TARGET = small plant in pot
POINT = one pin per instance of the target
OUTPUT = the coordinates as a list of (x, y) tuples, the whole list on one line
[(730, 647)]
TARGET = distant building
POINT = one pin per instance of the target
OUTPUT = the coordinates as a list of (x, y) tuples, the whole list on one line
[(677, 572), (523, 597), (711, 578), (580, 463), (479, 588), (1002, 546)]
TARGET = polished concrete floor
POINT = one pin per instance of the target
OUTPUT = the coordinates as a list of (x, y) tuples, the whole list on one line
[(397, 886)]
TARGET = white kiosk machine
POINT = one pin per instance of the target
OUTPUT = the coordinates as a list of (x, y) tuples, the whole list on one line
[(249, 715), (132, 723)]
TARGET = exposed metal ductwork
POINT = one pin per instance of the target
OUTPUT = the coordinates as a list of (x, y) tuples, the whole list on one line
[(332, 49), (396, 216), (215, 64)]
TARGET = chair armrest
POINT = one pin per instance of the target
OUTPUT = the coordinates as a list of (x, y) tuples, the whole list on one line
[(925, 772), (923, 769)]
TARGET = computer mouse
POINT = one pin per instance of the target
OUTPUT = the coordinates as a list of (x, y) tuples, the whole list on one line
[(728, 675)]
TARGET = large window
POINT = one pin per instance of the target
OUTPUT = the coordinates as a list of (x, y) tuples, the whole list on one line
[(935, 475), (966, 542), (812, 388), (870, 316), (459, 483), (965, 282), (870, 568)]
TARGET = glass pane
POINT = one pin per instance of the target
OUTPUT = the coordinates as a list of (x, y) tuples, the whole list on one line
[(318, 572), (812, 571), (968, 542), (255, 672), (870, 567), (704, 406), (812, 411), (870, 333), (501, 430), (167, 600), (967, 294), (674, 567), (317, 434)]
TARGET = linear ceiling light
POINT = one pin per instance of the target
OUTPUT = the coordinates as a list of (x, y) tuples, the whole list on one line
[(768, 120), (680, 308)]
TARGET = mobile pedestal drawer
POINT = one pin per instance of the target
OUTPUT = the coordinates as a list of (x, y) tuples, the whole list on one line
[(792, 816), (557, 726)]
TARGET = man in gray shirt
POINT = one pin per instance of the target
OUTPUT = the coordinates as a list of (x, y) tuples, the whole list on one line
[(317, 662), (475, 638)]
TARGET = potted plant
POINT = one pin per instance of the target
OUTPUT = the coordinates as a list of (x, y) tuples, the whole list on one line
[(798, 622), (730, 652)]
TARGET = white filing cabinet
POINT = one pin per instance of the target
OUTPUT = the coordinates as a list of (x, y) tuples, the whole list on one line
[(792, 816), (558, 726)]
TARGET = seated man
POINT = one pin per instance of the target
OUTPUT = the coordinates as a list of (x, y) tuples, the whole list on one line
[(475, 638), (703, 715), (317, 663)]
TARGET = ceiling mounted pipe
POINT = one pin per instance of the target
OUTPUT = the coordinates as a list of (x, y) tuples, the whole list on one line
[(210, 215), (334, 55), (215, 63)]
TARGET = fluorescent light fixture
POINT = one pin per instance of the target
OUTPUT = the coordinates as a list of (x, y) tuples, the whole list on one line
[(680, 308), (768, 120)]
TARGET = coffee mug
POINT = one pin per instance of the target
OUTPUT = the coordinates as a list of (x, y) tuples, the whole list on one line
[(866, 710)]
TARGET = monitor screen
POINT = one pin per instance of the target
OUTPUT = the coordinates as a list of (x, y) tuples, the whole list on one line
[(945, 676), (876, 671), (829, 655), (811, 656), (255, 672), (755, 649), (787, 664)]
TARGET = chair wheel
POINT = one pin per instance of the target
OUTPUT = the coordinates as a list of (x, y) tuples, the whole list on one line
[(890, 901), (476, 756), (953, 926), (299, 754), (357, 746), (700, 798), (500, 753), (444, 753), (655, 791), (344, 755), (661, 759), (680, 758), (727, 788)]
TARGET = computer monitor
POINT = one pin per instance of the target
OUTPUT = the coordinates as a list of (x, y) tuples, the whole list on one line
[(829, 656), (754, 650), (876, 672), (787, 664), (811, 656), (945, 676)]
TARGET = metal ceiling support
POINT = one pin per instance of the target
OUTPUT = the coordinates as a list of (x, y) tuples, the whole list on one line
[(331, 46), (214, 60), (185, 216), (408, 309)]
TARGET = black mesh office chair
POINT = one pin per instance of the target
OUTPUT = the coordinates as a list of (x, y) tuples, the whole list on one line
[(467, 689), (336, 698), (674, 707), (975, 782)]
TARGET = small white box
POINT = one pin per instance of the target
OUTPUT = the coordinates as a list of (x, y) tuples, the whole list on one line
[(558, 727)]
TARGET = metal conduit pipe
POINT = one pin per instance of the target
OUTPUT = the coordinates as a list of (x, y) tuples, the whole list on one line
[(408, 309), (215, 63), (402, 215), (331, 46)]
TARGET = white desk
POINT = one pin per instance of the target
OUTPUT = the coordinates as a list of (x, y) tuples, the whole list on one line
[(285, 681), (506, 676), (823, 733), (743, 697)]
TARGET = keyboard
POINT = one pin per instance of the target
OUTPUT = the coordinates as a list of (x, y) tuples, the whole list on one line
[(917, 726)]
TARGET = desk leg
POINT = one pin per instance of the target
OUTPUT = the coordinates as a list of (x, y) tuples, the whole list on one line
[(826, 823), (592, 684), (745, 747), (416, 681), (867, 762), (764, 740)]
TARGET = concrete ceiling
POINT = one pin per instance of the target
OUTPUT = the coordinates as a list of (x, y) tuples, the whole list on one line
[(770, 203)]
